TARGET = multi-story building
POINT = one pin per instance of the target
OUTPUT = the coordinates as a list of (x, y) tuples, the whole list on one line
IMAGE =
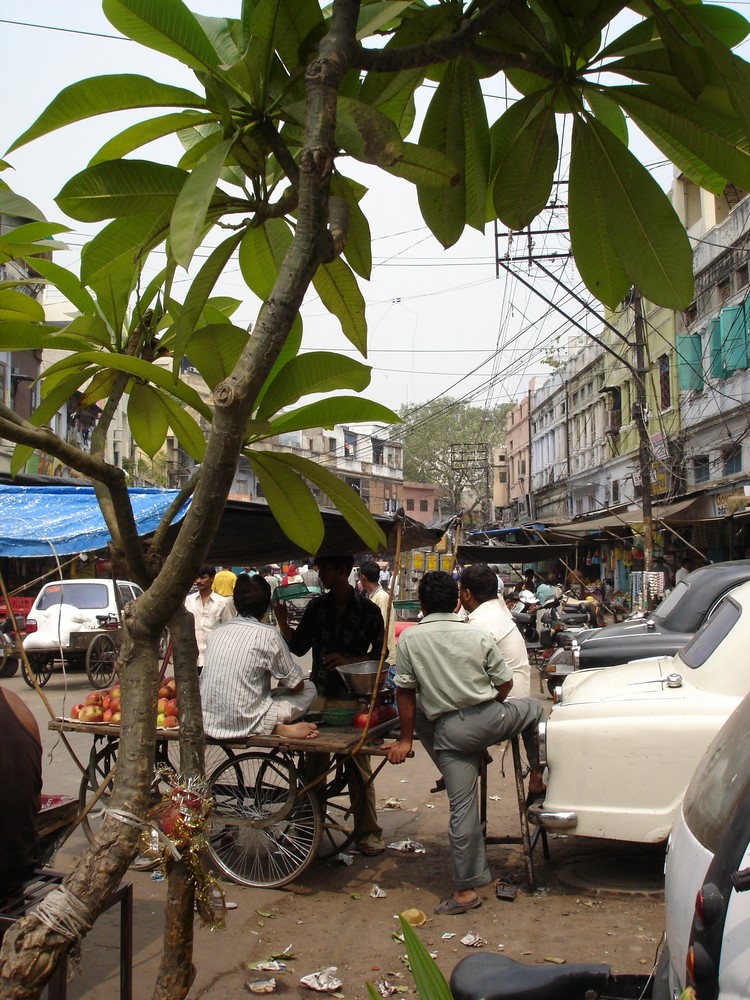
[(549, 449), (518, 457)]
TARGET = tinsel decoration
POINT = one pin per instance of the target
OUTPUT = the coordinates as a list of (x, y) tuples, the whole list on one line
[(177, 831)]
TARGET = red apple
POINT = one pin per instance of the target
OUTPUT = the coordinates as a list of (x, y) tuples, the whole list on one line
[(160, 720), (171, 708), (107, 715), (75, 710), (360, 720), (106, 700), (90, 713), (116, 718), (114, 692), (94, 698), (161, 705), (164, 692), (171, 722), (114, 704)]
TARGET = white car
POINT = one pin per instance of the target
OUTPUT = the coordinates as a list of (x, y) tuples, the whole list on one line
[(67, 617), (707, 874), (622, 744)]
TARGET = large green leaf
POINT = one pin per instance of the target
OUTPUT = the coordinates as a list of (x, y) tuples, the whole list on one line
[(122, 243), (32, 232), (425, 167), (329, 412), (15, 306), (215, 349), (343, 497), (290, 350), (17, 335), (66, 282), (146, 419), (290, 499), (429, 980), (144, 132), (167, 26), (358, 249), (340, 294), (595, 256), (121, 187), (367, 134), (184, 426), (14, 204), (262, 250), (224, 35), (650, 242), (608, 112), (189, 214), (319, 371), (290, 28), (101, 94), (200, 290), (526, 173), (707, 136), (90, 327)]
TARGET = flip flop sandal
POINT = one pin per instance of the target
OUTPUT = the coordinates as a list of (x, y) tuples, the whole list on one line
[(370, 852), (450, 907), (504, 889)]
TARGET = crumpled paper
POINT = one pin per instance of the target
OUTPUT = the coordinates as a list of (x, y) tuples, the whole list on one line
[(472, 940), (407, 846), (323, 981)]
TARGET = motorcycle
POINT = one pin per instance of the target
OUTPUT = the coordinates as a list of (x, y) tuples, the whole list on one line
[(558, 630), (498, 977)]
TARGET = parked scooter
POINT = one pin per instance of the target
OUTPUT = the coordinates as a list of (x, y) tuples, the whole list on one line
[(498, 977)]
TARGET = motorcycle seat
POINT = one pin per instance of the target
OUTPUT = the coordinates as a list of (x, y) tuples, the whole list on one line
[(498, 977)]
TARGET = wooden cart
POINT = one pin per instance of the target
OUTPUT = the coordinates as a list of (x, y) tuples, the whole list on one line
[(277, 803), (96, 649)]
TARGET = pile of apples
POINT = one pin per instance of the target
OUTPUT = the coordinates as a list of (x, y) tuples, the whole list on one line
[(99, 706), (104, 706)]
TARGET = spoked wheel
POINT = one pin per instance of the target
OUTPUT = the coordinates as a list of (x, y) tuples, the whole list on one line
[(101, 763), (101, 661), (343, 786), (41, 664), (261, 830), (164, 642)]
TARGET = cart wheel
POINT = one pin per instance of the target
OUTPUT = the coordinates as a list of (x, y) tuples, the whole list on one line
[(101, 762), (8, 664), (261, 831), (41, 664), (101, 661), (214, 756), (340, 822)]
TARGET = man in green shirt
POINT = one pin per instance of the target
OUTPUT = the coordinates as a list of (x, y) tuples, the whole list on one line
[(462, 682)]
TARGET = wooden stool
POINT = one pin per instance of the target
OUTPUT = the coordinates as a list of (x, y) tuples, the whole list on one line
[(524, 839), (18, 903)]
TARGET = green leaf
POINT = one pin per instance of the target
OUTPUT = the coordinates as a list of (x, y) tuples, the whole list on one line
[(57, 392), (90, 327), (21, 454), (185, 427), (123, 243), (17, 306), (22, 336), (200, 289), (289, 26), (32, 232), (147, 419), (121, 188), (290, 350), (358, 249), (684, 60), (648, 239), (340, 294), (329, 412), (348, 502), (526, 173), (189, 214), (101, 94), (261, 252), (429, 980), (67, 283), (215, 349), (425, 167), (167, 26), (319, 371), (290, 499), (144, 132), (608, 113), (100, 387), (14, 204), (366, 134)]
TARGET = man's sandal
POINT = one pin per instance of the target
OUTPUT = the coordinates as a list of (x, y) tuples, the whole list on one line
[(450, 907), (370, 852), (504, 889)]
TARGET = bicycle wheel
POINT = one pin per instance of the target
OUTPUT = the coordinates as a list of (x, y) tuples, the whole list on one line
[(101, 762), (340, 820), (41, 664), (101, 661), (261, 832), (164, 643)]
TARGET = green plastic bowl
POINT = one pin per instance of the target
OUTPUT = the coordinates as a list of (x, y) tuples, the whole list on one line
[(339, 716)]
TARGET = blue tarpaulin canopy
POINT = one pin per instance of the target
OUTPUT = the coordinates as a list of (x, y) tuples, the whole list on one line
[(44, 520)]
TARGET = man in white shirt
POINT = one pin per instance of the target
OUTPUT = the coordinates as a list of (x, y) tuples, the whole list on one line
[(369, 574), (242, 657), (207, 608), (683, 572), (478, 593)]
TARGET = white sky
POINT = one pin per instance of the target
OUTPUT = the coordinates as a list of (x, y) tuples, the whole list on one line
[(434, 316)]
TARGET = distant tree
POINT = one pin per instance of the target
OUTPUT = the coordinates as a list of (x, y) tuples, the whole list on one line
[(437, 439)]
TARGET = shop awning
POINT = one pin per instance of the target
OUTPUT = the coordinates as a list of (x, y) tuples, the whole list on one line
[(684, 511), (513, 553)]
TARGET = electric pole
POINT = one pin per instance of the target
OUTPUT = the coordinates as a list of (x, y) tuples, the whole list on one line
[(644, 441)]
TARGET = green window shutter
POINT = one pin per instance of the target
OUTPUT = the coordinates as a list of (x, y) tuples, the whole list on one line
[(715, 346), (734, 347), (690, 362)]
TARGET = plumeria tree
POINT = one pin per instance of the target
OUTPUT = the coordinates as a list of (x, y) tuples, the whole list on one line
[(284, 95)]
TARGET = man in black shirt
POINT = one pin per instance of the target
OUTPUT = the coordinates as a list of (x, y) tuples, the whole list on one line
[(340, 627)]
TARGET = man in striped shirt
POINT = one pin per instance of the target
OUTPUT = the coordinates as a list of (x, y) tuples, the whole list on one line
[(242, 657)]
